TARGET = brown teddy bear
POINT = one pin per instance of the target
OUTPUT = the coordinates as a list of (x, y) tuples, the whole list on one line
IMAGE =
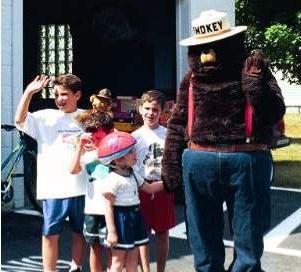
[(101, 102)]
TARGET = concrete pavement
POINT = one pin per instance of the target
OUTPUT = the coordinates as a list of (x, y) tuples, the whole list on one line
[(21, 241)]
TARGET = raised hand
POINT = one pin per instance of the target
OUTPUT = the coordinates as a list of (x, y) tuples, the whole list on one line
[(37, 84), (255, 65)]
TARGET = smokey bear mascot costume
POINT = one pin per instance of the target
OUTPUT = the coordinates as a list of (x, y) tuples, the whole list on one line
[(208, 148)]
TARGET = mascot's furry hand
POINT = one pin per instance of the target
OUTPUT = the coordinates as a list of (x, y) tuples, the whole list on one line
[(254, 72), (255, 65)]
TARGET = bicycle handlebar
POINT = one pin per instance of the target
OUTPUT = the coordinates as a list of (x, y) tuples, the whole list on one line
[(8, 127)]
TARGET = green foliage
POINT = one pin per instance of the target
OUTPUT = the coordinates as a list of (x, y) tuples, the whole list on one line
[(283, 46), (276, 29)]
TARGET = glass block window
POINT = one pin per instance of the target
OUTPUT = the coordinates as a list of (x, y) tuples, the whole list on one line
[(55, 53)]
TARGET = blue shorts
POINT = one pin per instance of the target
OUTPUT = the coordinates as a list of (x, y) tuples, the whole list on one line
[(130, 227), (55, 212), (94, 228)]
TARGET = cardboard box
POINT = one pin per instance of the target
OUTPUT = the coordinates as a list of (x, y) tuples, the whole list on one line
[(126, 103)]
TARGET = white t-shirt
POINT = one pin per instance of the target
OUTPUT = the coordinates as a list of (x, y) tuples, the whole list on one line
[(125, 189), (94, 201), (149, 149), (55, 133)]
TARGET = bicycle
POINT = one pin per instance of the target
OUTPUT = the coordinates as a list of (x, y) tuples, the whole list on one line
[(9, 170)]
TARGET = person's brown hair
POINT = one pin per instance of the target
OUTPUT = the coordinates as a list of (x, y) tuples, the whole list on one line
[(70, 82), (98, 120), (152, 95)]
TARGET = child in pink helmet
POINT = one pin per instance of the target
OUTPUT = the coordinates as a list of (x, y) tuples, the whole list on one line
[(125, 224)]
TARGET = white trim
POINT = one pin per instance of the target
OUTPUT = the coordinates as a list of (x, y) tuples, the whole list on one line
[(276, 250), (278, 234), (286, 189), (285, 251), (28, 212), (136, 243), (141, 242), (228, 243)]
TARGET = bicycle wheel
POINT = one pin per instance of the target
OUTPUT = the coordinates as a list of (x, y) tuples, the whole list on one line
[(30, 180), (7, 192)]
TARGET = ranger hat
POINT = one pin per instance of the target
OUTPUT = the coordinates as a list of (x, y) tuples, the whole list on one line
[(211, 26)]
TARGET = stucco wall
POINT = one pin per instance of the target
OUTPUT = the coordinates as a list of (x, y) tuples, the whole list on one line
[(11, 76), (187, 10)]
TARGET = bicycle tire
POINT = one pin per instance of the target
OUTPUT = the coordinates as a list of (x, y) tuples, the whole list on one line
[(6, 194), (30, 180), (8, 167)]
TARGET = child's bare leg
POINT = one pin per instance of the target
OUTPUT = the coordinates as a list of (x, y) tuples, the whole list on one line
[(118, 260), (144, 258), (95, 258), (78, 249), (162, 246), (131, 260), (109, 259), (50, 252)]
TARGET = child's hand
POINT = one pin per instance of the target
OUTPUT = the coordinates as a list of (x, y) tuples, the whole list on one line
[(85, 139), (112, 239), (90, 146), (152, 188), (37, 84)]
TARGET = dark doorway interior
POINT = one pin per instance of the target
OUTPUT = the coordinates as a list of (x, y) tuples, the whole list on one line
[(125, 45)]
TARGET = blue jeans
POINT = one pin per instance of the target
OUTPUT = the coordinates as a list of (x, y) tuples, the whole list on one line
[(242, 177)]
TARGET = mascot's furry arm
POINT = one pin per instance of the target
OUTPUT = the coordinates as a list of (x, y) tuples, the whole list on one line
[(262, 91), (175, 139)]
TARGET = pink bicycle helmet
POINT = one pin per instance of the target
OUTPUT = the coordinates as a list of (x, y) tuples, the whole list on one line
[(114, 146)]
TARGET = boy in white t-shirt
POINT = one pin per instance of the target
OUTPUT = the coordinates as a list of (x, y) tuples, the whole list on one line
[(97, 125), (157, 209), (61, 192)]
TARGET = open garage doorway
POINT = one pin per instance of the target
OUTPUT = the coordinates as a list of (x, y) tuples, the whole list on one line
[(126, 46)]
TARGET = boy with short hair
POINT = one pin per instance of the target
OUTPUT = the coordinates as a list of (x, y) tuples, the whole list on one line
[(158, 209), (62, 193)]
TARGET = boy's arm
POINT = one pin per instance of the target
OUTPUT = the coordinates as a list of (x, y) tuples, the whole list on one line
[(35, 86), (152, 188), (109, 215), (75, 166)]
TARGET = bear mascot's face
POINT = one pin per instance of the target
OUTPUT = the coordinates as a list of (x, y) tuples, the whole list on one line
[(218, 61)]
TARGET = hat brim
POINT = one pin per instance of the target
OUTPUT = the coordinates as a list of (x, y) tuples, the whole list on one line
[(108, 159), (194, 40), (105, 97)]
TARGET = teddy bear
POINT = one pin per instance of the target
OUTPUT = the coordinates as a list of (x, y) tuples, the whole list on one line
[(101, 102), (212, 151)]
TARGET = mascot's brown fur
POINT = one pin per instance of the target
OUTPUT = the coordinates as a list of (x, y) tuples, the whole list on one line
[(223, 77), (236, 103)]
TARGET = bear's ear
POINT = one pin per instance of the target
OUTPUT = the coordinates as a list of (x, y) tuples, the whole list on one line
[(92, 97)]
